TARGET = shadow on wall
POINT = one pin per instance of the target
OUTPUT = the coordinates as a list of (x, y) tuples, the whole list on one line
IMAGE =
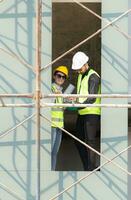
[(17, 36), (21, 142)]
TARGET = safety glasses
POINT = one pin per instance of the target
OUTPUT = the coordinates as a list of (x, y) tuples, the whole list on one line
[(59, 76)]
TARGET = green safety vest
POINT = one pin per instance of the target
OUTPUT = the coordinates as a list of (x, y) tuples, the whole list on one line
[(82, 88), (57, 113)]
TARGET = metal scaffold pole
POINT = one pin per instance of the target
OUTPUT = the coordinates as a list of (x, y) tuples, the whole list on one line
[(38, 92)]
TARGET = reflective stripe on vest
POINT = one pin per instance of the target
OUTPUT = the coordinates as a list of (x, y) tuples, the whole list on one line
[(82, 88), (57, 114)]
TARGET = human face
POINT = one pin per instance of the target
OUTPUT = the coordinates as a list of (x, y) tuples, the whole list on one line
[(59, 78), (83, 69)]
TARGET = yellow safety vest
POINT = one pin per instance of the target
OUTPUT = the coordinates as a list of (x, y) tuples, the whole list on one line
[(82, 88), (57, 113)]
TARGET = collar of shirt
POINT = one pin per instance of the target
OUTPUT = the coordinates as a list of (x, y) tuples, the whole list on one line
[(83, 75), (58, 87)]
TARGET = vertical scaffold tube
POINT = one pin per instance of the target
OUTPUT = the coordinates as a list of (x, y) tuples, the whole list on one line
[(38, 92)]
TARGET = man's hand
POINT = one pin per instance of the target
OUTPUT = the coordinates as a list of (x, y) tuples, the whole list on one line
[(72, 99)]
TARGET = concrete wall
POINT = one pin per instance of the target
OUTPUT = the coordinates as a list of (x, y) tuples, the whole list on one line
[(17, 149), (115, 80)]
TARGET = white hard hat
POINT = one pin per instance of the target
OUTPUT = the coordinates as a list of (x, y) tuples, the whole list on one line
[(79, 59)]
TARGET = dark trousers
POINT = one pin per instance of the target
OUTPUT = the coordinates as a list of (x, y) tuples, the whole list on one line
[(86, 130)]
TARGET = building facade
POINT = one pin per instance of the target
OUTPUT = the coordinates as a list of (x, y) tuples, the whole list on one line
[(18, 162)]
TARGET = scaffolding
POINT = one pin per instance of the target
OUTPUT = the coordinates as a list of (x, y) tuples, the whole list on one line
[(38, 95)]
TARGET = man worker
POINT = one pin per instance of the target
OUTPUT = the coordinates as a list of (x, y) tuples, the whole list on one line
[(88, 119)]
